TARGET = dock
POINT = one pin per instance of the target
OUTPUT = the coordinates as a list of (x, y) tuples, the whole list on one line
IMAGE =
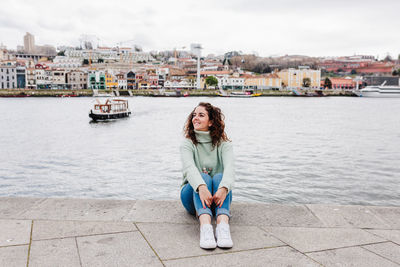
[(107, 232)]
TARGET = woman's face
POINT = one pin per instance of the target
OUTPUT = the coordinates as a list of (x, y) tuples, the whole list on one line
[(200, 119)]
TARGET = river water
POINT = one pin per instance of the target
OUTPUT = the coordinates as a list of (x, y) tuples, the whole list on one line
[(288, 150)]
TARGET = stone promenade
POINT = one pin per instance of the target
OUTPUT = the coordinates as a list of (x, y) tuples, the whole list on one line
[(94, 232)]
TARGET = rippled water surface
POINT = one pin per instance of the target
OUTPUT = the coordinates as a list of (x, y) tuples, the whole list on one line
[(288, 150)]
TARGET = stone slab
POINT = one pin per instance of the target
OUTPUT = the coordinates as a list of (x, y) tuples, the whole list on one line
[(348, 216), (14, 256), (123, 249), (15, 232), (391, 235), (387, 250), (182, 240), (159, 211), (80, 209), (279, 257), (62, 229), (354, 256), (315, 239), (12, 207), (391, 215), (273, 215), (55, 252)]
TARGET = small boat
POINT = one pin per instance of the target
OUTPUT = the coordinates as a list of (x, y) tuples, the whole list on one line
[(111, 109)]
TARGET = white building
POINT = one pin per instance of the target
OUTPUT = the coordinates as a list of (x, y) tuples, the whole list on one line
[(8, 77), (230, 82), (29, 43)]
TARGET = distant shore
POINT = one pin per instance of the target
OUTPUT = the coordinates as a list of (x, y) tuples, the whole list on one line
[(154, 93)]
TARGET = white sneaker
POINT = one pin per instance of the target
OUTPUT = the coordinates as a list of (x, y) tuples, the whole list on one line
[(223, 234), (207, 239)]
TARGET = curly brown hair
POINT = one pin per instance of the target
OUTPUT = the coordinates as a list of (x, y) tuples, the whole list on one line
[(217, 129)]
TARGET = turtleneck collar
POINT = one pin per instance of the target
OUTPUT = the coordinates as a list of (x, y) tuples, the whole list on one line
[(203, 137)]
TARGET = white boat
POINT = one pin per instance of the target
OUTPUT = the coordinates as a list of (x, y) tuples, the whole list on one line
[(110, 109), (380, 91)]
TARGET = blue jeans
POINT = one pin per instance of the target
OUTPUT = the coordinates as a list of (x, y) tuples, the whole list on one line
[(192, 203)]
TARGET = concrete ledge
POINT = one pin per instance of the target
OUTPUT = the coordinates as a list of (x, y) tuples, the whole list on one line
[(97, 232)]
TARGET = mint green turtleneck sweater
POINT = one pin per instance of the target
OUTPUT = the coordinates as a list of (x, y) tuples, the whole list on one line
[(197, 157)]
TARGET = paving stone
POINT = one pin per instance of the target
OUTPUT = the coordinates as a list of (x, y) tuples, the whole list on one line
[(353, 257), (182, 240), (392, 235), (348, 216), (391, 215), (80, 209), (61, 229), (387, 250), (14, 256), (315, 239), (123, 249), (273, 215), (15, 232), (55, 252), (159, 211), (279, 257), (12, 207)]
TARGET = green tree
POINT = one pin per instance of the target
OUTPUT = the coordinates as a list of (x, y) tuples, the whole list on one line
[(85, 62), (61, 53), (353, 72), (306, 82), (328, 83), (100, 60), (211, 81), (395, 73)]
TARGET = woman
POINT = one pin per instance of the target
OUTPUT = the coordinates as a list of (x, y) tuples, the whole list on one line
[(208, 174)]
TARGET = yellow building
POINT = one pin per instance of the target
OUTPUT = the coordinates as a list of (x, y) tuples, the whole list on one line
[(111, 81), (294, 78), (263, 81)]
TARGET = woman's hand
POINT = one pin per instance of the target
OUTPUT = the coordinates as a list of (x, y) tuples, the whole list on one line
[(220, 195), (205, 196)]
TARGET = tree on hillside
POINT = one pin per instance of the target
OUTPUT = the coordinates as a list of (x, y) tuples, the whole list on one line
[(306, 82), (353, 72), (100, 60), (328, 83), (211, 81), (85, 62), (61, 53)]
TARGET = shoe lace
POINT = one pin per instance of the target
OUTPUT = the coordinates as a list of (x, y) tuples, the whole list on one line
[(224, 232), (208, 233)]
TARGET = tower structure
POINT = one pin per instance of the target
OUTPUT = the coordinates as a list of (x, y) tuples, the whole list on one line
[(29, 43)]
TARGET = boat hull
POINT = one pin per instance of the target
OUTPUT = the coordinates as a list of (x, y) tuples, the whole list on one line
[(103, 117)]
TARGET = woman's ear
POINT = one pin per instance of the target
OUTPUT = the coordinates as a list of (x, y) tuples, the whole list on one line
[(209, 123)]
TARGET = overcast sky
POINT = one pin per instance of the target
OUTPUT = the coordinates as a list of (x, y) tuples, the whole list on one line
[(306, 27)]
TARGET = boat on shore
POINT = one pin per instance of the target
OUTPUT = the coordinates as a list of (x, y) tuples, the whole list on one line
[(246, 93), (379, 91), (110, 109)]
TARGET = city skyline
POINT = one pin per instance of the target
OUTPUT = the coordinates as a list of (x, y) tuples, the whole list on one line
[(265, 28)]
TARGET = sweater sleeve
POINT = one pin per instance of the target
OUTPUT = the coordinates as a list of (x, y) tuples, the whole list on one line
[(228, 162), (189, 169)]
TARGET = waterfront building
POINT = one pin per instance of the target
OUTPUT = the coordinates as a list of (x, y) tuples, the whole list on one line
[(230, 82), (21, 76), (341, 83), (29, 43), (58, 79), (268, 81), (43, 76), (8, 76), (111, 81), (294, 78), (30, 74), (96, 80), (131, 80), (122, 81), (77, 79), (152, 79)]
